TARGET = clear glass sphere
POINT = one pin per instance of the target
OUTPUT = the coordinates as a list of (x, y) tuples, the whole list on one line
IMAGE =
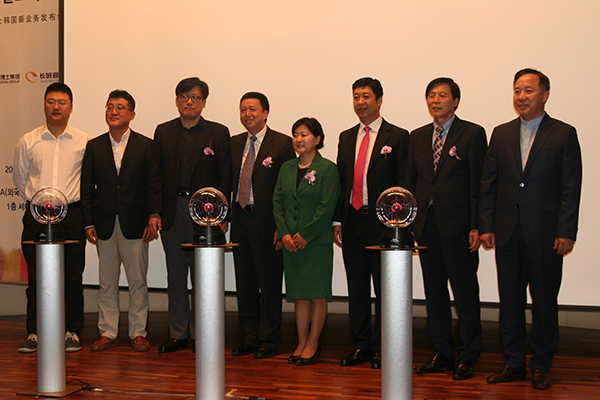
[(49, 205), (396, 207), (208, 207)]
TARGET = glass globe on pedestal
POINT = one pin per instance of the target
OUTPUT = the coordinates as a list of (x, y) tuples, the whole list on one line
[(396, 208), (49, 207), (208, 208)]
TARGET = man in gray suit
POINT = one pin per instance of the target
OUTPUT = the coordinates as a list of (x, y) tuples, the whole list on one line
[(530, 194)]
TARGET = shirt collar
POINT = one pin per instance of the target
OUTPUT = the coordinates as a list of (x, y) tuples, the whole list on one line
[(532, 123), (375, 125), (446, 126), (124, 138), (67, 132), (260, 135)]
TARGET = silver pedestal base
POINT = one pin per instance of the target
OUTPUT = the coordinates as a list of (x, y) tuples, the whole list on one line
[(396, 325)]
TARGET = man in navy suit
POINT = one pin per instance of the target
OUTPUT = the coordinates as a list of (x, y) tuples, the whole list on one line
[(445, 160), (188, 153), (371, 158), (114, 198), (258, 259), (530, 194)]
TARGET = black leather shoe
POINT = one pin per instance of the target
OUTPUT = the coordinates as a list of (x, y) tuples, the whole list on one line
[(243, 349), (293, 359), (263, 352), (465, 369), (310, 361), (540, 379), (438, 363), (376, 361), (357, 356), (172, 345), (507, 374)]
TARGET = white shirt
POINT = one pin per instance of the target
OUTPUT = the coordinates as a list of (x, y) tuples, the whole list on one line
[(119, 148), (260, 136), (41, 161), (375, 126)]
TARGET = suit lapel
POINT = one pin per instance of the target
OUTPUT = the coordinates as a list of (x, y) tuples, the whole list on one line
[(514, 138), (541, 137), (380, 141), (314, 166), (451, 138), (265, 148), (237, 153), (132, 143), (108, 154)]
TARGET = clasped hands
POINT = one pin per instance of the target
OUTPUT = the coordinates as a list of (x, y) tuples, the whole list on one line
[(294, 243)]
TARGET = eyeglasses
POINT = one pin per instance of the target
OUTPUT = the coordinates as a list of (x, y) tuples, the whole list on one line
[(52, 102), (185, 97), (118, 108)]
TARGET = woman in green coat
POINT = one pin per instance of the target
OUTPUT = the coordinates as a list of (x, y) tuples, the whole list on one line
[(304, 200)]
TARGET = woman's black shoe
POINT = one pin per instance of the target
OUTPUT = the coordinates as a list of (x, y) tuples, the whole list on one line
[(293, 359), (310, 361)]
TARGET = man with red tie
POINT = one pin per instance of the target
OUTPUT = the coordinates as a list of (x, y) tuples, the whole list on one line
[(371, 158)]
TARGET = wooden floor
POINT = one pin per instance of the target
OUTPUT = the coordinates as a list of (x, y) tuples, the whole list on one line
[(124, 374)]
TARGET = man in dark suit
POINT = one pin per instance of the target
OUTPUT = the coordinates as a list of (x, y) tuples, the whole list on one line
[(445, 160), (530, 194), (371, 158), (188, 153), (114, 199), (258, 259)]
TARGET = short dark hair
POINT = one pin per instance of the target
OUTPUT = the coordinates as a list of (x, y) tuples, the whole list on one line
[(313, 126), (264, 102), (122, 94), (544, 81), (188, 84), (59, 87), (374, 84), (444, 81)]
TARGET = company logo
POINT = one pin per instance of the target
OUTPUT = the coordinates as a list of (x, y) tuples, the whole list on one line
[(31, 77)]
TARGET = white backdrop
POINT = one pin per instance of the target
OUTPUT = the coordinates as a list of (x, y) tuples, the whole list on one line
[(305, 55)]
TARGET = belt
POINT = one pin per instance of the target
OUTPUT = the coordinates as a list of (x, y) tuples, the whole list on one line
[(364, 210), (72, 206), (183, 192), (249, 207)]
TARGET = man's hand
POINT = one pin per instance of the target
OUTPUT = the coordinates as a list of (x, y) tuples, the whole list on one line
[(563, 246), (299, 241), (224, 226), (288, 243), (488, 240), (337, 235), (148, 236), (277, 243), (474, 241), (90, 234), (155, 224)]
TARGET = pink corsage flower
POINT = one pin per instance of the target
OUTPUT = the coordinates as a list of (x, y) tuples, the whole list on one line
[(386, 150), (267, 162), (311, 177), (453, 153), (208, 151)]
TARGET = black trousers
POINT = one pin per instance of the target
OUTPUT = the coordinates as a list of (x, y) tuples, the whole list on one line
[(74, 265)]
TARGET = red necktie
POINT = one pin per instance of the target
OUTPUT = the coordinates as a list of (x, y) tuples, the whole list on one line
[(359, 171)]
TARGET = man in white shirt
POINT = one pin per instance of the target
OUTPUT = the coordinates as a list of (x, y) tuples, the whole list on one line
[(51, 156), (114, 198)]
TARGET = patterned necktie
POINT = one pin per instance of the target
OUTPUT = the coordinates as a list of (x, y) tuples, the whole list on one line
[(359, 171), (438, 143), (246, 176)]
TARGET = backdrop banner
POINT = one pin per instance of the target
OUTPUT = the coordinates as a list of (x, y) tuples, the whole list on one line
[(29, 44)]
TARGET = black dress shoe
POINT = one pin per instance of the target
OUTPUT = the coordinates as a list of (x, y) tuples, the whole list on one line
[(507, 374), (172, 345), (243, 349), (540, 379), (357, 356), (310, 361), (263, 352), (465, 369), (293, 359), (376, 361), (438, 363)]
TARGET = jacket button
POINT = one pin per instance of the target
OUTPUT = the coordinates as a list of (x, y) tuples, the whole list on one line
[(521, 184), (295, 207), (516, 206), (294, 217)]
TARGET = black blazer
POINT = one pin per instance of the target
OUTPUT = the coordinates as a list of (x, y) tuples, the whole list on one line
[(208, 170), (385, 170), (454, 185), (104, 194), (545, 197), (264, 177)]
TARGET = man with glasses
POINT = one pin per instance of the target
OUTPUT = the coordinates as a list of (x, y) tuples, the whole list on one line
[(114, 197), (188, 153), (51, 156)]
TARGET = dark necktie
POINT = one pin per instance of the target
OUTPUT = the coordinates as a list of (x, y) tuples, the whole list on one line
[(438, 143)]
